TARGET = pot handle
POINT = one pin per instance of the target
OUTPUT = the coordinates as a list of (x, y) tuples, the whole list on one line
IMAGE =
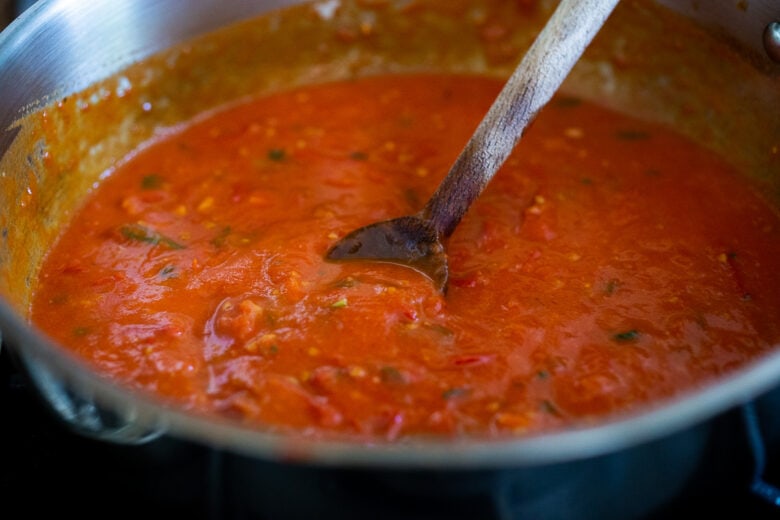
[(79, 409), (764, 490)]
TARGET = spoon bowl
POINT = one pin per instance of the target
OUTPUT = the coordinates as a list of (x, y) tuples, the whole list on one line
[(411, 241)]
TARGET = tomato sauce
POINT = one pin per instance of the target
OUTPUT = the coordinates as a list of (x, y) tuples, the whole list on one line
[(610, 264)]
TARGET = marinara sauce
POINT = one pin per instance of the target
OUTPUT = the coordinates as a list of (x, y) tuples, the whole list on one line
[(610, 264)]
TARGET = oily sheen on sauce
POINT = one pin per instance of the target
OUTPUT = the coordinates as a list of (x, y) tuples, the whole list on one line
[(609, 265)]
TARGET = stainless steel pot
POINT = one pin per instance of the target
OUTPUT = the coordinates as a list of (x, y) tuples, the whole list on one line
[(81, 87)]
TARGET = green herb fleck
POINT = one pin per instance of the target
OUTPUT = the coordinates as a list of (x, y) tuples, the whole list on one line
[(339, 304), (346, 283), (358, 156), (549, 407), (612, 286), (219, 240), (169, 271), (273, 349), (542, 374), (626, 336), (151, 182), (454, 393), (632, 135), (277, 154), (390, 375), (141, 233), (80, 331), (587, 181)]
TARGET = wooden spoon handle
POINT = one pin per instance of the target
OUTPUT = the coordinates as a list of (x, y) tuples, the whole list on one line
[(541, 71)]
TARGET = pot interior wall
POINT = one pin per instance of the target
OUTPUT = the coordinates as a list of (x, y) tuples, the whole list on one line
[(646, 61)]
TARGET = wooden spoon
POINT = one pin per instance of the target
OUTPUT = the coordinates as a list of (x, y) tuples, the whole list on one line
[(416, 240)]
